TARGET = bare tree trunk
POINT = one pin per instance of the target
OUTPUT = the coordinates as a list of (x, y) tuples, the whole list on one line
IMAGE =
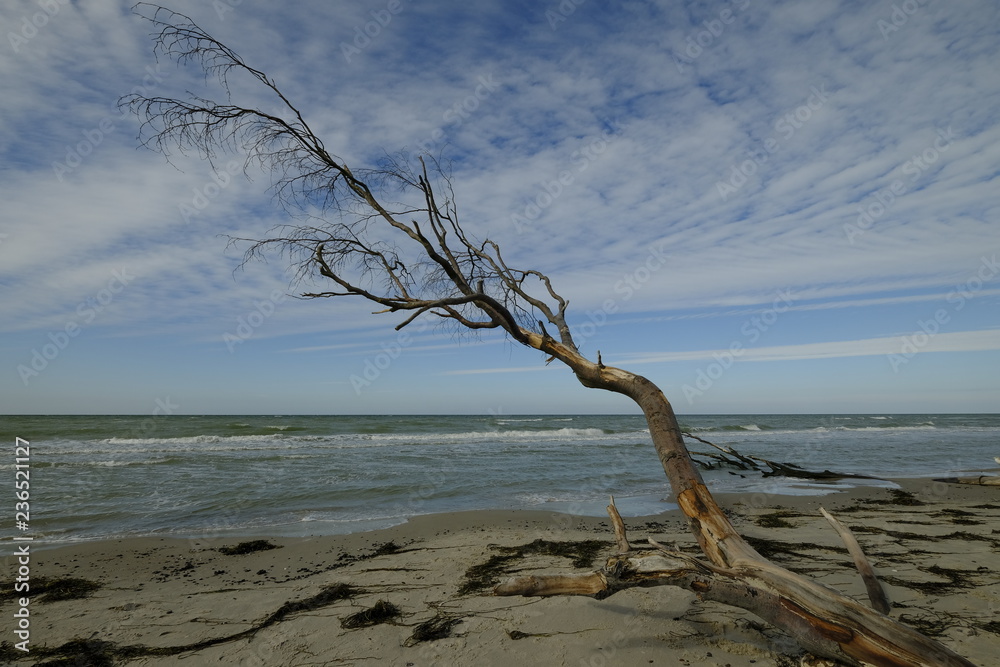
[(821, 619), (716, 536)]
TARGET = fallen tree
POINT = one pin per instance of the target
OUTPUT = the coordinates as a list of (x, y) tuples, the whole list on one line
[(731, 457), (391, 234)]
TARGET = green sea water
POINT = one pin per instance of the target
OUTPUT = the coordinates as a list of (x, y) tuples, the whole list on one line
[(109, 476)]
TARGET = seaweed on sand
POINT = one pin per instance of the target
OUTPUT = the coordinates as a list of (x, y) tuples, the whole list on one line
[(777, 519), (896, 497), (772, 548), (248, 548), (957, 516), (324, 598), (386, 549), (100, 653), (383, 612), (483, 576), (54, 589), (954, 580), (991, 626), (434, 628)]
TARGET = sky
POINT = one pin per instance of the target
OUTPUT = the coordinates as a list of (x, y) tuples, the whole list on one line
[(781, 207)]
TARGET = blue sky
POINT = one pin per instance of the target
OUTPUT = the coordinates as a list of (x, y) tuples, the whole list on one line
[(763, 207)]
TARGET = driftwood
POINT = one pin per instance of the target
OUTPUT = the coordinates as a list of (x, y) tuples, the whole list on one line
[(616, 520), (980, 480), (791, 470), (821, 619), (879, 600), (731, 457)]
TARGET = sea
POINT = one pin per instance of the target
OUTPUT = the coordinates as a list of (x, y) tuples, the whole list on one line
[(106, 477)]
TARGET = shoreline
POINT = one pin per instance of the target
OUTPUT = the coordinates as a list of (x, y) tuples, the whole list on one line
[(933, 545), (111, 478), (592, 509), (417, 525)]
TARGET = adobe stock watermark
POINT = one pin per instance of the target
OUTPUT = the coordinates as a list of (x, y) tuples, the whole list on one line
[(752, 330), (627, 287), (209, 190), (698, 41), (561, 12), (552, 189), (911, 344), (460, 112), (164, 408), (223, 7), (94, 137), (364, 34), (247, 325), (786, 126), (86, 312), (376, 364), (899, 17), (30, 25), (876, 205), (432, 480)]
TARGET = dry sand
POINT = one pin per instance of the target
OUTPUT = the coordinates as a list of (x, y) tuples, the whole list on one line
[(936, 550)]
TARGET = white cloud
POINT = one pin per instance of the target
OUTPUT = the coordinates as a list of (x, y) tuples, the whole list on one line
[(907, 345), (676, 133), (919, 342)]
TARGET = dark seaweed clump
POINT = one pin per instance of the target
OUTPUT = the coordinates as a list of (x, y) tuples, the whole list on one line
[(100, 653), (53, 589), (896, 497), (438, 627), (248, 548), (382, 612), (777, 519), (325, 597)]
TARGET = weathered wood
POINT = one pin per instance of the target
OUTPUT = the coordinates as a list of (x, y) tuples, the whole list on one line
[(981, 480), (722, 460), (542, 585), (792, 470), (746, 462), (665, 568), (619, 526), (738, 459), (876, 594), (820, 619)]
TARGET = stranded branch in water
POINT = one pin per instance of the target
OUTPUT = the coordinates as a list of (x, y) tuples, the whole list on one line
[(734, 459), (978, 480), (731, 457)]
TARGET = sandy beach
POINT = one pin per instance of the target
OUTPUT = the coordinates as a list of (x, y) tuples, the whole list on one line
[(419, 593)]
